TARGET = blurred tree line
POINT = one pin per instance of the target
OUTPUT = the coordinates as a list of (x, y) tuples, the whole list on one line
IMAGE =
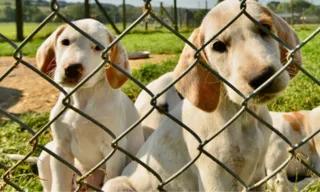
[(301, 7), (37, 10)]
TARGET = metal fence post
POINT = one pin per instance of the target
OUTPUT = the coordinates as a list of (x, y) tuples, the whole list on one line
[(19, 19), (206, 6), (107, 17), (86, 9), (175, 15), (292, 13), (124, 20)]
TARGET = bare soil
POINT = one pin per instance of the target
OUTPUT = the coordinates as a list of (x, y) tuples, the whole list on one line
[(25, 91)]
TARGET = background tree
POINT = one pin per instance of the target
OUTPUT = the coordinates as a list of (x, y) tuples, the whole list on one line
[(8, 14), (273, 5), (32, 13), (199, 15), (313, 10), (73, 12), (219, 1), (300, 6), (132, 13)]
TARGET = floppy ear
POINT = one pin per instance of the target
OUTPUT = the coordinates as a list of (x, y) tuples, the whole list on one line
[(199, 86), (118, 56), (46, 53), (288, 35)]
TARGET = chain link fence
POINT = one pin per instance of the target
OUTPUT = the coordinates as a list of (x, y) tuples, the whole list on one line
[(34, 142)]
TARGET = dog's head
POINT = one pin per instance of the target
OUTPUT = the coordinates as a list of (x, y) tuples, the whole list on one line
[(243, 54), (68, 57)]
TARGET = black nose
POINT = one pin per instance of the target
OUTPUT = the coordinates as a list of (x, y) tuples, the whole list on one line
[(265, 74), (74, 71)]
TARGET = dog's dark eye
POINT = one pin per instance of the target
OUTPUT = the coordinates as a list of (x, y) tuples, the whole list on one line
[(219, 46), (268, 27), (65, 42), (97, 48)]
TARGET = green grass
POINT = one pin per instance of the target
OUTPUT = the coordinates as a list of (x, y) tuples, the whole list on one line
[(14, 140), (166, 43), (146, 74), (30, 49), (302, 93), (162, 42), (9, 29), (156, 43)]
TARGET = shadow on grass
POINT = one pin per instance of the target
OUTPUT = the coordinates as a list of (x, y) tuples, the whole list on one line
[(9, 97)]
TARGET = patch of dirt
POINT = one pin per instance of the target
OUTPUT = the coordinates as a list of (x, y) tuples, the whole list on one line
[(23, 90), (152, 59)]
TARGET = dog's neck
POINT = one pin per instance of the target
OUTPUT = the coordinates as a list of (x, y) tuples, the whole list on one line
[(227, 109), (91, 96)]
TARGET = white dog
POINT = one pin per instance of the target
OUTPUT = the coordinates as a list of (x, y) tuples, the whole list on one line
[(69, 57), (295, 126), (167, 102), (245, 56)]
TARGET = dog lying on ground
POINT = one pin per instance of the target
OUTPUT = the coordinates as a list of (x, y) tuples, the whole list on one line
[(295, 126), (167, 102), (246, 57), (68, 57)]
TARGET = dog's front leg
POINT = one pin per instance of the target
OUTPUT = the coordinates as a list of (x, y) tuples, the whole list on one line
[(61, 174), (115, 165), (44, 169)]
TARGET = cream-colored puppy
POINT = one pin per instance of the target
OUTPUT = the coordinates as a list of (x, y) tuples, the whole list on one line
[(295, 126), (69, 57), (167, 102), (245, 56)]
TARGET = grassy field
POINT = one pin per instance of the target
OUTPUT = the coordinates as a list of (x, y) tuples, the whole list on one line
[(14, 139), (302, 93), (166, 44), (163, 42)]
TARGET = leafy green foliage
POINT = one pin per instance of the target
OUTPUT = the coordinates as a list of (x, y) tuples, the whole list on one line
[(300, 6)]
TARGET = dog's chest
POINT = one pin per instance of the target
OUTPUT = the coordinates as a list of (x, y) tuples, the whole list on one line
[(236, 151), (88, 141), (237, 148)]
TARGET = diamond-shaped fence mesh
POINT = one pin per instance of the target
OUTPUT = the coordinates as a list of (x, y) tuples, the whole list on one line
[(6, 177)]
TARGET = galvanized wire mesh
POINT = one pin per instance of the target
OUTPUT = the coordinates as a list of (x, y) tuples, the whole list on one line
[(201, 143)]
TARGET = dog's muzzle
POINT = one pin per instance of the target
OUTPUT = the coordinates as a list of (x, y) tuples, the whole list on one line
[(73, 73)]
